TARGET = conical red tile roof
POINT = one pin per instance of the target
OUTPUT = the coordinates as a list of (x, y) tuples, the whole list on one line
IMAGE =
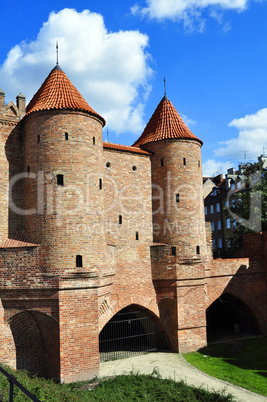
[(165, 124), (58, 92)]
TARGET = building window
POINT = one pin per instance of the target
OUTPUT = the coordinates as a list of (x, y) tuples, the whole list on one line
[(108, 164), (219, 225), (228, 243), (93, 140), (100, 184), (79, 261), (177, 197), (66, 136), (226, 204), (212, 226), (162, 162), (184, 161), (232, 186), (174, 251), (214, 192), (198, 163), (60, 180), (211, 209), (38, 139), (206, 210), (134, 168), (238, 185), (198, 250), (220, 243), (218, 207), (228, 223), (213, 243), (28, 170), (136, 236), (120, 220)]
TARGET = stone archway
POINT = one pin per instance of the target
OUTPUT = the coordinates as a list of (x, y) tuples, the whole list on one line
[(230, 318), (36, 337), (132, 330)]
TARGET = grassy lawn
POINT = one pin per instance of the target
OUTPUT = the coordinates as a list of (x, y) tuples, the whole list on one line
[(122, 388), (242, 362)]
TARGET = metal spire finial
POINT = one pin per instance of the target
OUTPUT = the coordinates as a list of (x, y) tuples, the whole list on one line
[(57, 52), (164, 86)]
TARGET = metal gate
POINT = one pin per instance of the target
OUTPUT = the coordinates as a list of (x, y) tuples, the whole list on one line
[(129, 332)]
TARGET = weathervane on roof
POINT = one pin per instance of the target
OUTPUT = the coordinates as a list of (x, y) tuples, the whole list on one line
[(57, 52), (164, 86)]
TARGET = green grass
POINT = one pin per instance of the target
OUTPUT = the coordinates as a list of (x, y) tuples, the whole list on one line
[(122, 388), (242, 362)]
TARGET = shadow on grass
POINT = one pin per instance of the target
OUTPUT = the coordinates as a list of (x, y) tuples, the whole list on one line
[(249, 354)]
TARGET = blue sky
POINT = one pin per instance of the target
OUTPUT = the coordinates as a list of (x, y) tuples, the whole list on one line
[(213, 54)]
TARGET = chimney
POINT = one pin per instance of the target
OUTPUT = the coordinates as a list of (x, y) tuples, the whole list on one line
[(2, 98), (21, 103)]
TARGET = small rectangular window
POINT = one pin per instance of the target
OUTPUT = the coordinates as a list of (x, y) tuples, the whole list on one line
[(211, 209), (120, 220), (206, 210), (79, 261), (177, 197), (38, 139), (184, 161), (218, 207), (60, 180), (136, 236), (93, 140), (198, 250), (173, 250), (212, 226), (162, 162), (100, 184), (228, 223), (219, 225), (66, 136), (219, 243)]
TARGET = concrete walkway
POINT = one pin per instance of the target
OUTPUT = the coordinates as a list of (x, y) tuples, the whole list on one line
[(173, 366)]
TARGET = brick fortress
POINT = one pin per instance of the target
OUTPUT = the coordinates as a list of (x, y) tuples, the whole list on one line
[(89, 229)]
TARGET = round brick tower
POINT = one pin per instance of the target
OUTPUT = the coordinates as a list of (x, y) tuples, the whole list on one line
[(64, 169), (178, 211)]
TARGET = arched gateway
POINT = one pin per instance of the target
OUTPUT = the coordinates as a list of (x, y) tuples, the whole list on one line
[(229, 318), (133, 330)]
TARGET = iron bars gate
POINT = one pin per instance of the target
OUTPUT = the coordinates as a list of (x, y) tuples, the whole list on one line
[(129, 332)]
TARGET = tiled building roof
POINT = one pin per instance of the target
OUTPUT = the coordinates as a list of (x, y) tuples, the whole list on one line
[(20, 239), (165, 124), (58, 92), (126, 148)]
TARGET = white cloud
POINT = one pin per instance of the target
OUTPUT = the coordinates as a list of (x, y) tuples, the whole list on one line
[(212, 167), (187, 10), (251, 140), (110, 69)]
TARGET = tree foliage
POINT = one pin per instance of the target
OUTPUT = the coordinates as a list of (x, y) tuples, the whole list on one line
[(248, 205)]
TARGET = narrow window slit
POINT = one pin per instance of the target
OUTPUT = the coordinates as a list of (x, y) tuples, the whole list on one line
[(60, 180), (79, 261), (120, 219), (174, 251)]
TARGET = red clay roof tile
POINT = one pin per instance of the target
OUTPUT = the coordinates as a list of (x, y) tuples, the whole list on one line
[(126, 148), (58, 92), (165, 124), (20, 239)]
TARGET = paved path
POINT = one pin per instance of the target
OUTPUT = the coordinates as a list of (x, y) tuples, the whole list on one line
[(172, 365)]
